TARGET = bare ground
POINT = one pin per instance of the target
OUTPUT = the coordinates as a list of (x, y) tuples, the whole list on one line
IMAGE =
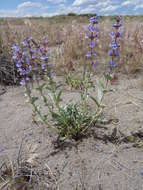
[(91, 163)]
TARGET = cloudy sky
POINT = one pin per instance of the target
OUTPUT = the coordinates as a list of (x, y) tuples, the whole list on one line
[(20, 8)]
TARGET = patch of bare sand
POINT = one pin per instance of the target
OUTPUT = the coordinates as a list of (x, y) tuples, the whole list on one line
[(90, 164)]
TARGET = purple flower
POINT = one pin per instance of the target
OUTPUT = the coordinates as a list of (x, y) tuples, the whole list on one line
[(20, 71), (43, 66), (27, 60), (24, 43), (33, 57), (120, 34), (112, 64), (88, 55), (39, 50), (22, 82), (92, 34), (33, 51), (92, 44), (118, 22), (117, 53), (112, 35), (92, 28), (15, 48), (94, 54), (110, 53), (87, 35), (115, 25), (42, 50), (94, 20), (14, 57), (27, 79), (44, 58), (30, 68), (94, 65), (18, 65), (114, 45)]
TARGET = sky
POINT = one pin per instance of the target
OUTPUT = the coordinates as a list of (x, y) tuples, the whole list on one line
[(25, 8)]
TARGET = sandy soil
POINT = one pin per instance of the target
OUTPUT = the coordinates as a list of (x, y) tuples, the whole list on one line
[(90, 164)]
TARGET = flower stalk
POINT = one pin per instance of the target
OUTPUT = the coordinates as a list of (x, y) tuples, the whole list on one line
[(114, 52), (92, 34)]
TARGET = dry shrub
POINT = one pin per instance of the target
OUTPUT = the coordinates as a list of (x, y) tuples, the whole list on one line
[(74, 45), (67, 42), (16, 178), (8, 73), (25, 172), (132, 47)]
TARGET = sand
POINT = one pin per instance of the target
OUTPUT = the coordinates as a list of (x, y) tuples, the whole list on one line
[(91, 163)]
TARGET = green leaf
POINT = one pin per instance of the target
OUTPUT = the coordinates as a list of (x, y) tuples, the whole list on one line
[(99, 95), (58, 86), (94, 99), (45, 100), (34, 99), (100, 85), (40, 87), (55, 115), (59, 96), (48, 88), (100, 91), (45, 117), (108, 77)]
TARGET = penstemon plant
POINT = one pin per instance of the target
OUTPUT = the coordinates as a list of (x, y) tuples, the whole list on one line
[(114, 51), (32, 62), (92, 34), (72, 120)]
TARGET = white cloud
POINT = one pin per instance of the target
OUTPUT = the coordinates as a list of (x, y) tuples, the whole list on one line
[(103, 4), (96, 6), (125, 3), (56, 1), (109, 2), (83, 2), (140, 6), (136, 3), (29, 4), (109, 7), (101, 7), (25, 9)]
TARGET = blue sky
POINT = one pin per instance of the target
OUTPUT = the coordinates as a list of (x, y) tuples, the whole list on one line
[(21, 8)]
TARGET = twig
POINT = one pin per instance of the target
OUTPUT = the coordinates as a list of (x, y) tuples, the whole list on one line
[(4, 185), (52, 175), (19, 152), (134, 96)]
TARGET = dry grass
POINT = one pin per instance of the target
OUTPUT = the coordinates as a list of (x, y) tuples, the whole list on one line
[(67, 42), (25, 173)]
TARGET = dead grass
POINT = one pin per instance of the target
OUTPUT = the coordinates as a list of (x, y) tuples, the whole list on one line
[(25, 173), (67, 42)]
